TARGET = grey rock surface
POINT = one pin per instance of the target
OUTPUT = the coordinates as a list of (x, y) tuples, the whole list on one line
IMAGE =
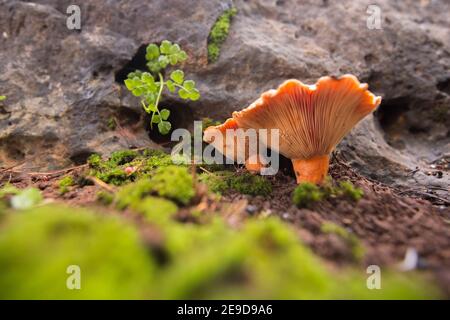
[(62, 89)]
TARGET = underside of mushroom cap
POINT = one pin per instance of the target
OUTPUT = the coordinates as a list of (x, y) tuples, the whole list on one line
[(235, 145), (312, 119)]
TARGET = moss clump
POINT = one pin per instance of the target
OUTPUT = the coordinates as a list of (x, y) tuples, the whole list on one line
[(219, 33), (246, 183), (38, 246), (251, 184), (351, 239), (95, 161), (155, 209), (133, 193), (123, 157), (158, 159), (305, 194), (216, 182), (173, 182), (137, 196), (115, 176), (114, 170), (65, 183), (347, 189)]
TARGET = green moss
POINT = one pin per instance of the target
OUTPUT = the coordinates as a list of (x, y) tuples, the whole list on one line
[(219, 33), (351, 239), (216, 182), (8, 189), (137, 196), (112, 125), (347, 189), (173, 182), (113, 170), (133, 193), (155, 209), (306, 193), (213, 52), (262, 260), (251, 184), (37, 247), (65, 183), (115, 176), (246, 183), (95, 161), (159, 160), (123, 157)]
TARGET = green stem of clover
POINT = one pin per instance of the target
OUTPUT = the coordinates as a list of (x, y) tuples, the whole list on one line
[(181, 87), (161, 87)]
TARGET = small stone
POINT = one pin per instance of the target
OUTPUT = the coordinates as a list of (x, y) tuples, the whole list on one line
[(347, 221), (251, 209)]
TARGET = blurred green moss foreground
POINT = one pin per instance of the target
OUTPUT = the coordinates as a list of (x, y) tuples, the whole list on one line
[(263, 259)]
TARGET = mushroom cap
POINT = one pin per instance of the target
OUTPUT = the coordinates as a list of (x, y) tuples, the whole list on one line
[(225, 139), (312, 119)]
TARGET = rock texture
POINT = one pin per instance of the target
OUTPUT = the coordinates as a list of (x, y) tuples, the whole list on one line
[(62, 89)]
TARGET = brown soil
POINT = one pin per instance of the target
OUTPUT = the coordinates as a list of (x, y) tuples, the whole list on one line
[(386, 221)]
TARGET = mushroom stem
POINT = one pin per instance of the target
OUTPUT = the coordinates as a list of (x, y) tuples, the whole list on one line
[(311, 170)]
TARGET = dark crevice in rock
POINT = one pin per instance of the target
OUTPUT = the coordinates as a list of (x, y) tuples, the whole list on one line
[(138, 62), (444, 86), (391, 112), (81, 157), (127, 117), (402, 119), (181, 116)]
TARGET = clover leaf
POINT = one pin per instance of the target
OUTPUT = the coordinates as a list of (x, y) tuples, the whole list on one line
[(165, 114), (164, 127), (177, 76)]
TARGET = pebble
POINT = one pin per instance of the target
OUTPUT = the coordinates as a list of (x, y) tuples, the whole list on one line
[(251, 209)]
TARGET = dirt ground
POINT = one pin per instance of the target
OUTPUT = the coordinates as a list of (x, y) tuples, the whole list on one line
[(386, 221)]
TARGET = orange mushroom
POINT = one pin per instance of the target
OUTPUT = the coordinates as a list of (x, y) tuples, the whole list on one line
[(312, 119), (230, 147)]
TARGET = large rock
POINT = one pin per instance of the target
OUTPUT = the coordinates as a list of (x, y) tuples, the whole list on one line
[(62, 89)]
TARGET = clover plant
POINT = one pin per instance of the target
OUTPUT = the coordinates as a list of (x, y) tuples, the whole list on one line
[(150, 85)]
